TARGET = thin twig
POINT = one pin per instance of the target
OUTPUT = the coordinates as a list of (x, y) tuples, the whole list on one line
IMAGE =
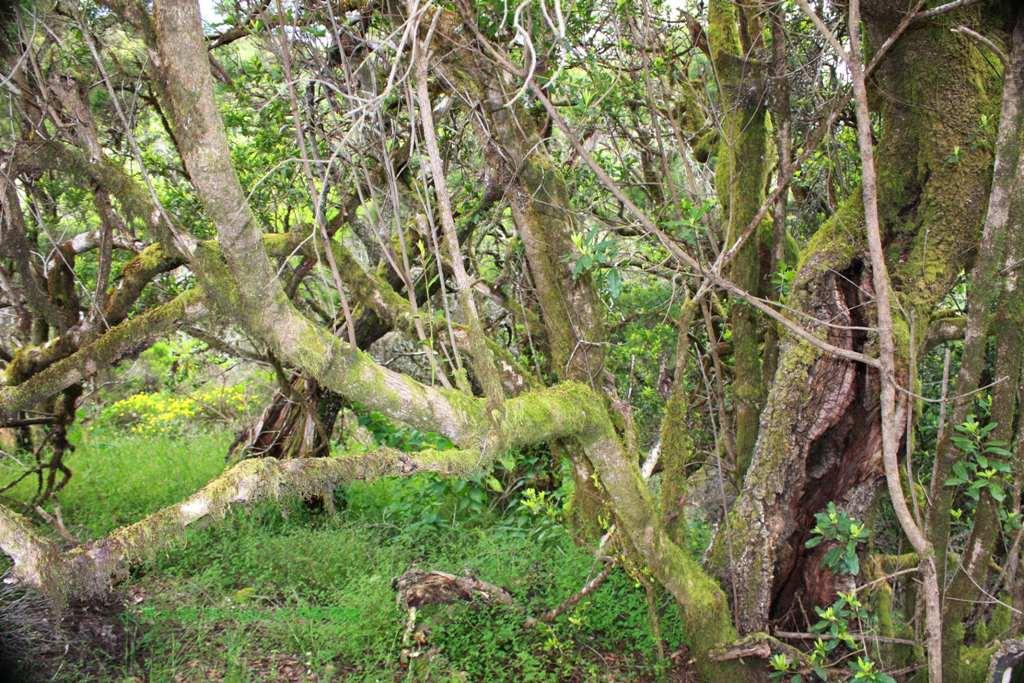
[(942, 9), (570, 602), (987, 42)]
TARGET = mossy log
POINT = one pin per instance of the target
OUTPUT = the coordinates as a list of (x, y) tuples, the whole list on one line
[(90, 569)]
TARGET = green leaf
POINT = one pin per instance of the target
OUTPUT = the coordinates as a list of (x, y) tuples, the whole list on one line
[(614, 281), (494, 484), (997, 492), (852, 561), (966, 445)]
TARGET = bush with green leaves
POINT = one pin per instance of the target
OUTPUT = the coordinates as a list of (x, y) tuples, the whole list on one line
[(833, 626), (525, 486), (985, 465), (865, 670), (834, 620), (846, 532)]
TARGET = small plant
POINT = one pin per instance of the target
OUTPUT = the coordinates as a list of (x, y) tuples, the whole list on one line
[(954, 156), (784, 668), (864, 670), (834, 621), (846, 532), (1011, 520), (688, 226), (781, 667), (782, 278), (597, 252), (985, 465), (819, 656), (543, 515)]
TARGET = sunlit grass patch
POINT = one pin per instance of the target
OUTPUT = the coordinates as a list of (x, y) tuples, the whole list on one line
[(278, 591), (118, 478)]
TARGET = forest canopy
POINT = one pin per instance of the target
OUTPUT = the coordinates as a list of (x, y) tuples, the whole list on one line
[(725, 291)]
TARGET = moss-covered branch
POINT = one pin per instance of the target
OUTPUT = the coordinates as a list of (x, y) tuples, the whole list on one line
[(89, 569), (137, 273), (131, 336), (376, 294)]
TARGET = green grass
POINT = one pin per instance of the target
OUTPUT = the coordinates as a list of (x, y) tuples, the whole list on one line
[(284, 593), (118, 478)]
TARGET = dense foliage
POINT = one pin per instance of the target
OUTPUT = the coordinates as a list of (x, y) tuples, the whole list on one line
[(704, 314)]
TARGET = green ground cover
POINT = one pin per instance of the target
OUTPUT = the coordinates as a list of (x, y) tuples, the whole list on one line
[(289, 593)]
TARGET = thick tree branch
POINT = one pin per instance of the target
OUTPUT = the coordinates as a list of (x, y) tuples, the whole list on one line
[(122, 340), (89, 569)]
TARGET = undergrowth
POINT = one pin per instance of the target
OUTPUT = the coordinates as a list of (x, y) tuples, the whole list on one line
[(288, 593)]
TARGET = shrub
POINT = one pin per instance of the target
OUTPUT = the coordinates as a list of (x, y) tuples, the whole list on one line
[(165, 413)]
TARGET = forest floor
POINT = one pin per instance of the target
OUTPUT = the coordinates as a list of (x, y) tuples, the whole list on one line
[(288, 593)]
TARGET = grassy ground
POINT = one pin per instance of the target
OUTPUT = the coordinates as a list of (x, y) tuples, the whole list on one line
[(292, 594)]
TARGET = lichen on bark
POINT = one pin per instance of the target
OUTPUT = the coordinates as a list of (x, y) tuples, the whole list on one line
[(931, 211)]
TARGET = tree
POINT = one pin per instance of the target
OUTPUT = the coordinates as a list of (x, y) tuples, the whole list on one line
[(544, 180)]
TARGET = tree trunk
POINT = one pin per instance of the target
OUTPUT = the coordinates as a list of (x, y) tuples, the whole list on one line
[(820, 432), (739, 179)]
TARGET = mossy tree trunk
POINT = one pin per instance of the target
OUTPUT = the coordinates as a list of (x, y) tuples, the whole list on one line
[(993, 309), (820, 436), (740, 174)]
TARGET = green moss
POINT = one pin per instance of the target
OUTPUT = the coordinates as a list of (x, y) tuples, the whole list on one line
[(565, 410), (130, 336), (973, 664), (999, 623)]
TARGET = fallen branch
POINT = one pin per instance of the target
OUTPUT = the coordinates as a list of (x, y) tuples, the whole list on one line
[(570, 602), (863, 637), (417, 588), (753, 648), (762, 646), (90, 569)]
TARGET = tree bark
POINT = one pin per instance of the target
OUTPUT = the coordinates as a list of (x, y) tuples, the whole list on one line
[(820, 436)]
